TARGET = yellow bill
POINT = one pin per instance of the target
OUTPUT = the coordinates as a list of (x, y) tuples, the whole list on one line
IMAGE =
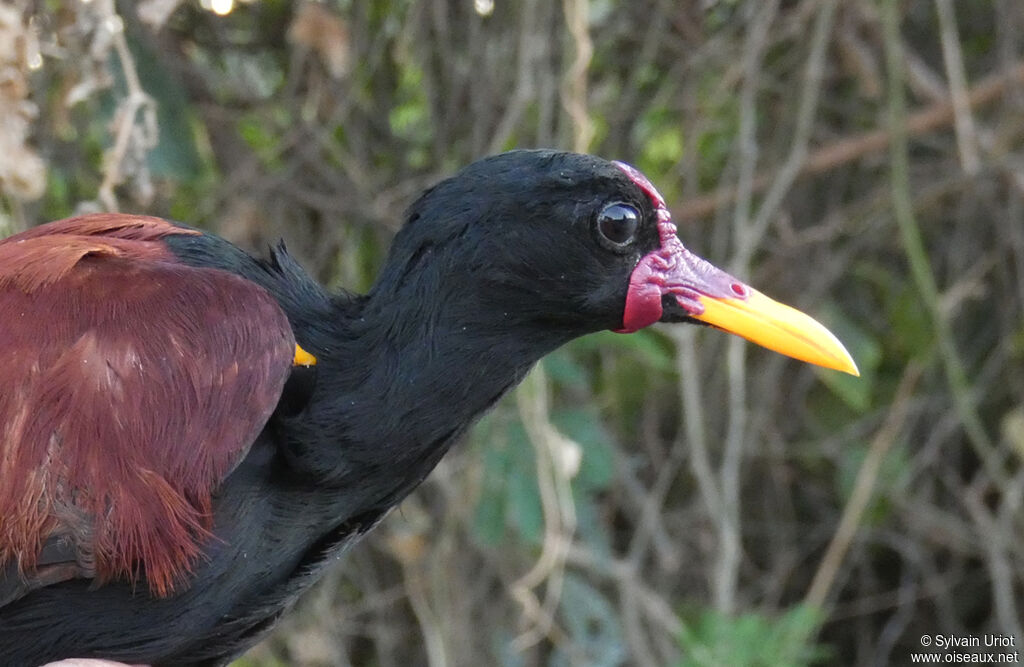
[(778, 327)]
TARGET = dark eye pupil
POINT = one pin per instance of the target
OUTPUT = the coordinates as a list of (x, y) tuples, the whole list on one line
[(618, 222)]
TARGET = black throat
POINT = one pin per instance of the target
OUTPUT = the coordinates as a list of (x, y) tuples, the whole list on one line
[(402, 377)]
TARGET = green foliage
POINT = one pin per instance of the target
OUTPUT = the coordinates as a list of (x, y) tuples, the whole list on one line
[(409, 117), (753, 640), (714, 144), (660, 137), (260, 662), (262, 133), (82, 136), (647, 349), (188, 200), (590, 619), (1016, 343), (565, 370), (721, 15), (583, 425), (175, 155), (912, 333), (510, 497), (855, 392), (893, 475)]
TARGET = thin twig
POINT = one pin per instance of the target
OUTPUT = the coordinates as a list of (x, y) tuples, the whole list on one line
[(136, 102), (553, 479), (807, 110), (687, 364), (658, 610), (527, 53), (552, 476), (863, 487), (726, 567), (913, 246), (853, 148), (993, 532), (574, 87), (433, 639), (966, 139)]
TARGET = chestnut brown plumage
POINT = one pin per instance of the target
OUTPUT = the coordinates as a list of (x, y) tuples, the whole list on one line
[(102, 419), (171, 480)]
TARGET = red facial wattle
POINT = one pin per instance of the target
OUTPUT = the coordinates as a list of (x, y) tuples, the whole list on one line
[(671, 269)]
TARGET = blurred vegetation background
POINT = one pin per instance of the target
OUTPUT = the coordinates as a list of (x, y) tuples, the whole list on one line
[(673, 497)]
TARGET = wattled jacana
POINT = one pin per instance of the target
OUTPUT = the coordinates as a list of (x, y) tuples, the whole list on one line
[(191, 434)]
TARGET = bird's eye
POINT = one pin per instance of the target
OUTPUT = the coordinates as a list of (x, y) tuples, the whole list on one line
[(617, 224)]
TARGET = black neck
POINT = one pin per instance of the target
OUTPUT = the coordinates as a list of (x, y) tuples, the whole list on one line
[(401, 371), (402, 380)]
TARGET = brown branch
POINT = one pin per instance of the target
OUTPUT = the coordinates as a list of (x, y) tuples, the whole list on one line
[(966, 138), (134, 122), (574, 86), (853, 148)]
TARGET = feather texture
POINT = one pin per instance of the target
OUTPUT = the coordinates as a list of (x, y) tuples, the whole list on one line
[(133, 384)]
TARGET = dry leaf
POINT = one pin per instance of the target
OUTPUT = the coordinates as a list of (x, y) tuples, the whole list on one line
[(316, 28)]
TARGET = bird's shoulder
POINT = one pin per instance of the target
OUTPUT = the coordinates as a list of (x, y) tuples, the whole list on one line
[(134, 383)]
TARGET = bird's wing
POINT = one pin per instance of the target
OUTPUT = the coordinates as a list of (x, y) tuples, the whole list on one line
[(131, 386)]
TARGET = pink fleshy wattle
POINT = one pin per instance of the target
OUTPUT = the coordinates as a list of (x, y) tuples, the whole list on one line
[(671, 269)]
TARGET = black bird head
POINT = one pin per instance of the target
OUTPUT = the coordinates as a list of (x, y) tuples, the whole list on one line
[(575, 244)]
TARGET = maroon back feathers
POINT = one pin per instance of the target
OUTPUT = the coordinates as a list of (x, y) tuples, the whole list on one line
[(132, 385)]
